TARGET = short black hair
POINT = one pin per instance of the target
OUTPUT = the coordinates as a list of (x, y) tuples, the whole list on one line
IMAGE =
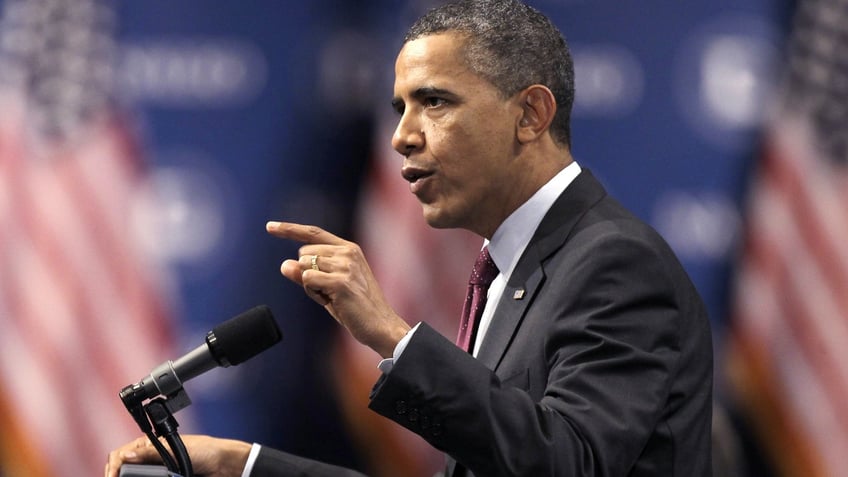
[(511, 45)]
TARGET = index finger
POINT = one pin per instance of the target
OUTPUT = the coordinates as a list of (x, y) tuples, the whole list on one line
[(307, 234)]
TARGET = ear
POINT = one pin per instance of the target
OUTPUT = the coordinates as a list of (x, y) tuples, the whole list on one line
[(538, 107)]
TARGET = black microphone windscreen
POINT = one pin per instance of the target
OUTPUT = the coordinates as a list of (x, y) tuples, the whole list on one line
[(247, 334)]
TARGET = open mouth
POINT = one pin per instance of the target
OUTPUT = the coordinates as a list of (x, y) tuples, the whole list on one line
[(413, 174), (417, 178)]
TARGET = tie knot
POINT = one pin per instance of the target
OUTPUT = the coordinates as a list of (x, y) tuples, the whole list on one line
[(485, 270)]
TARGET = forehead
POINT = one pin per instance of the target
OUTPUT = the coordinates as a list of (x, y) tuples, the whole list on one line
[(433, 60)]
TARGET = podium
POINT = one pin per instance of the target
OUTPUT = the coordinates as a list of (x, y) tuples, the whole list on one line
[(135, 470)]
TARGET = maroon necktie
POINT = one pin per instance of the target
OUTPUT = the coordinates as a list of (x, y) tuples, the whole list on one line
[(482, 275)]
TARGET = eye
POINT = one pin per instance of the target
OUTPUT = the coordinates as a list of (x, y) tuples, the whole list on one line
[(434, 101)]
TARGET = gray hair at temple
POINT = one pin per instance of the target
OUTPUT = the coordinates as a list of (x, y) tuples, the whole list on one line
[(512, 46)]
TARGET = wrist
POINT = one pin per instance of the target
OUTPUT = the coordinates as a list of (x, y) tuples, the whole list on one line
[(233, 456), (393, 337)]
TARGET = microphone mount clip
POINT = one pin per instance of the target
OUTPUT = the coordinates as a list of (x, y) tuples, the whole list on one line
[(155, 418)]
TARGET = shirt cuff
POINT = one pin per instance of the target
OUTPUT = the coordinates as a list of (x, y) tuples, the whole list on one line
[(251, 459), (386, 365)]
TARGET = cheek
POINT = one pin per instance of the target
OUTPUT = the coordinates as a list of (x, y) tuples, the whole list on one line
[(444, 144), (455, 153), (465, 147), (454, 135)]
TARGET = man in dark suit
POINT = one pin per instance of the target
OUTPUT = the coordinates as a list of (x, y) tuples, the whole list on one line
[(593, 353)]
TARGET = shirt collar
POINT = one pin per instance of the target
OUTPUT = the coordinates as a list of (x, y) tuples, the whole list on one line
[(513, 235)]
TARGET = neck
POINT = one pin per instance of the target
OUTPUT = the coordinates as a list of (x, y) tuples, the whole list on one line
[(531, 172)]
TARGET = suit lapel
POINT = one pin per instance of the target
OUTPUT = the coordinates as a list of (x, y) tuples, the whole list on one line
[(529, 274), (508, 316)]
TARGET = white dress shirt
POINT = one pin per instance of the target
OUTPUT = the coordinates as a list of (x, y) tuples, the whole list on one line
[(513, 235)]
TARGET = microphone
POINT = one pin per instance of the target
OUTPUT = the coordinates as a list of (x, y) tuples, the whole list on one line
[(230, 343)]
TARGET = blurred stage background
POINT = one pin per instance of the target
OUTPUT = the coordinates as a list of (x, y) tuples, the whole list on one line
[(143, 145)]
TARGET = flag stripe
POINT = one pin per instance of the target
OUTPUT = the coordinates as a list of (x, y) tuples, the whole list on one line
[(796, 263), (790, 329), (752, 375), (51, 311), (815, 260), (28, 368), (79, 299), (803, 326)]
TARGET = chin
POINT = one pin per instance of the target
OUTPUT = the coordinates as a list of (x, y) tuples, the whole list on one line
[(435, 217), (439, 219)]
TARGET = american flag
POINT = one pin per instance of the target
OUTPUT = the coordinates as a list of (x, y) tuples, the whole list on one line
[(789, 344), (423, 273), (81, 314)]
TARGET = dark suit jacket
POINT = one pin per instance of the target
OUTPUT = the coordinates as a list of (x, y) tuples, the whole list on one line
[(598, 360)]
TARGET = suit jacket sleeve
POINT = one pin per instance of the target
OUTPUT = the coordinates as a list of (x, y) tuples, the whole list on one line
[(609, 363)]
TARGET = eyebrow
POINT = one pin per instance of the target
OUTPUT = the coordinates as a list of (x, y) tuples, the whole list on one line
[(428, 91), (423, 92)]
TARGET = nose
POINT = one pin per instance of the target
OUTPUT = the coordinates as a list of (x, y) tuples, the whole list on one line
[(408, 135)]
